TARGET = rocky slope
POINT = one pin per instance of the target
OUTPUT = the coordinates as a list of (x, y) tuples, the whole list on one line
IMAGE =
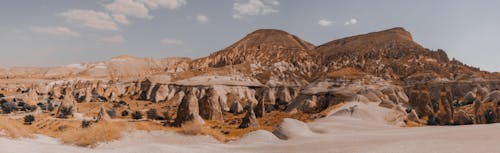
[(271, 70)]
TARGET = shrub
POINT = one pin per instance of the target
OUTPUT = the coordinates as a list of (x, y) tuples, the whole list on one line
[(65, 111), (8, 107), (137, 115), (125, 113), (50, 107), (28, 119), (86, 123), (152, 114), (111, 113), (166, 116), (42, 106), (21, 104), (28, 108)]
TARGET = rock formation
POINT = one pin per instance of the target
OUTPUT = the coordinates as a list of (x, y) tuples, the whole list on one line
[(249, 120), (189, 110), (102, 115), (236, 108), (272, 70)]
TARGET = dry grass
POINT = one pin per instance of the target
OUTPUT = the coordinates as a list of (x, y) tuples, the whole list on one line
[(191, 128), (13, 128), (98, 132), (71, 132), (413, 124)]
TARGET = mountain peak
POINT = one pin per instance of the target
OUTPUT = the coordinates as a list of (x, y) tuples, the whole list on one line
[(272, 38), (394, 32), (265, 45), (268, 31)]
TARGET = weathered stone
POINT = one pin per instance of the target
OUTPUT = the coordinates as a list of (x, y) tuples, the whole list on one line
[(250, 120), (102, 115), (210, 108), (236, 108), (160, 93), (188, 110)]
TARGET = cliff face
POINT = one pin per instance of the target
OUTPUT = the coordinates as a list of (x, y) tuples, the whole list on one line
[(272, 70)]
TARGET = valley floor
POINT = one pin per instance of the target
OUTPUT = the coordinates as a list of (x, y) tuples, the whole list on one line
[(330, 134)]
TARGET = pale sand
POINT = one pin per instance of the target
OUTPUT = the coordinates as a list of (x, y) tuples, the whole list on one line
[(331, 134)]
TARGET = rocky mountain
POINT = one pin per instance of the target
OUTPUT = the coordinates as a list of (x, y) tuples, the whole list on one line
[(392, 54), (272, 70), (263, 46)]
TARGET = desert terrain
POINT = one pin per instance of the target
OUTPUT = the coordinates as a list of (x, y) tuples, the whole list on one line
[(270, 91)]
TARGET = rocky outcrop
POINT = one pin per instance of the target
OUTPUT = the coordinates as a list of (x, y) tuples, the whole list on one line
[(236, 108), (68, 105), (249, 120), (103, 115), (210, 107), (188, 110), (160, 93)]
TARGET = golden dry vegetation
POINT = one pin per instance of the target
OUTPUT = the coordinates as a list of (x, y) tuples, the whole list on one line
[(71, 132)]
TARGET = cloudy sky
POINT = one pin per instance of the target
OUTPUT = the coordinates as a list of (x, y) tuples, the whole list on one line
[(58, 32)]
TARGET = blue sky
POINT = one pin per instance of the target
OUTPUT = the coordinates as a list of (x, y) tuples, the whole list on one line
[(58, 32)]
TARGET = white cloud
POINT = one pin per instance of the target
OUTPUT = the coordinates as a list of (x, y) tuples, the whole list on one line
[(129, 8), (141, 8), (254, 7), (90, 18), (168, 41), (325, 22), (170, 4), (120, 18), (202, 18), (60, 31), (351, 22), (118, 12), (114, 39)]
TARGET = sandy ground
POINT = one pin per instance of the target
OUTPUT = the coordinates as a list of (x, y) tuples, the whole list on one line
[(336, 133)]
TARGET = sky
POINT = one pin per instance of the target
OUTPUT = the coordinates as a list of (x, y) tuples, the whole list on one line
[(60, 32)]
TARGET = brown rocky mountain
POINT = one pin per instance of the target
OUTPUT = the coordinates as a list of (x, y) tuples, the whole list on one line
[(391, 54), (261, 46), (272, 70)]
